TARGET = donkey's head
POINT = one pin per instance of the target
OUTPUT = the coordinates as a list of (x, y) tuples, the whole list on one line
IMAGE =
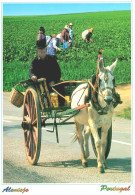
[(106, 81)]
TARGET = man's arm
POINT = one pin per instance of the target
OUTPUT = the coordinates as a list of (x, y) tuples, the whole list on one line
[(57, 71), (31, 72), (63, 35), (55, 46)]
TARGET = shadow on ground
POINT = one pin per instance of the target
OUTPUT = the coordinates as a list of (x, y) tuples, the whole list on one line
[(118, 164), (18, 174), (13, 127)]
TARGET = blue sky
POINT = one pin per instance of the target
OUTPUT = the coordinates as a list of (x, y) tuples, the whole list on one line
[(12, 9)]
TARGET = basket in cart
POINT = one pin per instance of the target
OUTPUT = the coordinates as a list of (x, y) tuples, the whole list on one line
[(16, 97)]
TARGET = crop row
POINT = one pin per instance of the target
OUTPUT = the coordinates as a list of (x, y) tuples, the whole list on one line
[(112, 32)]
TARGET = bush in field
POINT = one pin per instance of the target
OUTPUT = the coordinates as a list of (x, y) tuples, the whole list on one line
[(112, 32)]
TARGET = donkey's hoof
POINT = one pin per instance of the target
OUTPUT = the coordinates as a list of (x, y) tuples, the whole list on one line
[(85, 165), (101, 170)]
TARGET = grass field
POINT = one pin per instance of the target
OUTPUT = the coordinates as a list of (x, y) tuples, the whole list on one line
[(112, 32), (126, 113)]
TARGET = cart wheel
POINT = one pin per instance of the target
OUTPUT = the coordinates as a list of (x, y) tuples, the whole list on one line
[(32, 126), (109, 140)]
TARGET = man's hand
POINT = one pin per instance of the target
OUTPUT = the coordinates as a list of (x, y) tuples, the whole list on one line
[(34, 78), (51, 83)]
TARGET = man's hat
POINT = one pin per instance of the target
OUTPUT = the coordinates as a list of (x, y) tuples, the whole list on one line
[(41, 44), (42, 29), (70, 24)]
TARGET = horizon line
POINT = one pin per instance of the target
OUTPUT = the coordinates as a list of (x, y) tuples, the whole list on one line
[(64, 14)]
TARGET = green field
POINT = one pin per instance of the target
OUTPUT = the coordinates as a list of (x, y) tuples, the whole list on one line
[(112, 32)]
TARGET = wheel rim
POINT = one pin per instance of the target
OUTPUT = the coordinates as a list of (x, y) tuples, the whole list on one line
[(32, 135)]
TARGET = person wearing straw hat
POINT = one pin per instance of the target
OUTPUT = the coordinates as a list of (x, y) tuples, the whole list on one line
[(70, 30), (87, 34), (65, 37)]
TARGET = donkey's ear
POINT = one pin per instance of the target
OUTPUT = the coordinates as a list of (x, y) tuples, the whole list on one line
[(112, 67), (101, 65)]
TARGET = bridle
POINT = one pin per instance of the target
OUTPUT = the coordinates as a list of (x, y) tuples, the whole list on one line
[(105, 88)]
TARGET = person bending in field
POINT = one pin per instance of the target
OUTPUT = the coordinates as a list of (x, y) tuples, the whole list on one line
[(65, 37), (44, 66), (87, 34)]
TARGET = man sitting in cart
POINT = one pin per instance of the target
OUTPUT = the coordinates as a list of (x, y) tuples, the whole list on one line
[(44, 66)]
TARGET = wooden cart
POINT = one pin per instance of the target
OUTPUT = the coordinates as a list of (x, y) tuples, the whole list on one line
[(38, 107)]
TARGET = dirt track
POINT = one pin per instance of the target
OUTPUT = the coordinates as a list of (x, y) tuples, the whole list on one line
[(125, 93)]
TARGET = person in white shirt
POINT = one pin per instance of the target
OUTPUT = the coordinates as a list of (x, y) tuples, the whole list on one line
[(58, 37), (52, 46), (48, 39), (87, 34)]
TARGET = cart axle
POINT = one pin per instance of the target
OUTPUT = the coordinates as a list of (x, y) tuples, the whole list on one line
[(26, 125)]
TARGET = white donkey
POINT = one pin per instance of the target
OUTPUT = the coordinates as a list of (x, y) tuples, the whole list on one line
[(90, 117)]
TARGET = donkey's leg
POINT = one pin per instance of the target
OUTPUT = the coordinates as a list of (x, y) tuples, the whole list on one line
[(97, 140), (103, 145), (79, 129), (86, 141)]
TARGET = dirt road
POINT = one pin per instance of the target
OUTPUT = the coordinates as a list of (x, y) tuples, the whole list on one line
[(125, 93), (60, 163)]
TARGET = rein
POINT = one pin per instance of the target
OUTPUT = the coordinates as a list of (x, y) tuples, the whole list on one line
[(96, 105), (63, 83), (95, 88), (78, 89), (59, 94)]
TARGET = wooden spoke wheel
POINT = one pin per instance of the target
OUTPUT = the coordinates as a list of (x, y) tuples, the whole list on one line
[(108, 144), (32, 126)]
